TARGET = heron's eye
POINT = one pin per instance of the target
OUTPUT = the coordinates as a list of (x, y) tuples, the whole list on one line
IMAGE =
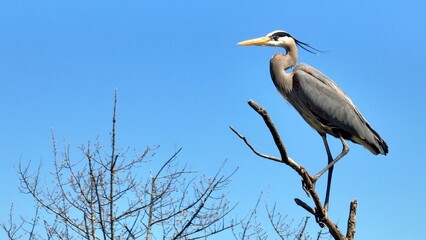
[(275, 38)]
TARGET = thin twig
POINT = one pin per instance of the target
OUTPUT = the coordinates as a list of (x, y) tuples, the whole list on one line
[(302, 231), (254, 150)]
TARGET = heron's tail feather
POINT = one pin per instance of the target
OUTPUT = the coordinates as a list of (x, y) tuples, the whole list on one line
[(371, 140), (380, 144)]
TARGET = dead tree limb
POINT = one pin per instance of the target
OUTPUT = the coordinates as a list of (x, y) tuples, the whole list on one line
[(318, 211), (350, 234)]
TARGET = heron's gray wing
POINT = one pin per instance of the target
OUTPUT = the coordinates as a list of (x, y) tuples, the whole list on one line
[(320, 98), (319, 76)]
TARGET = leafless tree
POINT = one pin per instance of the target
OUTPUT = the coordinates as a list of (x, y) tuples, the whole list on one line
[(318, 210), (107, 195)]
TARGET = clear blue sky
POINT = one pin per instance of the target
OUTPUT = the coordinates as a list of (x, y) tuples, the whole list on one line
[(182, 80)]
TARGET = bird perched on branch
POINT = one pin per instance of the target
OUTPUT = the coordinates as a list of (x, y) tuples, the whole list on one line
[(321, 103)]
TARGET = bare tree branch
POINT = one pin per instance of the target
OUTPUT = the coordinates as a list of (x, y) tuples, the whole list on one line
[(250, 226), (302, 230), (112, 171), (276, 224), (350, 234), (319, 212), (11, 229)]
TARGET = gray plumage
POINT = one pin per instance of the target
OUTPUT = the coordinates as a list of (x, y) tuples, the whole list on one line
[(323, 105)]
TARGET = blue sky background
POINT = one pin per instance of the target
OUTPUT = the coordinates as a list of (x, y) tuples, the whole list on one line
[(182, 80)]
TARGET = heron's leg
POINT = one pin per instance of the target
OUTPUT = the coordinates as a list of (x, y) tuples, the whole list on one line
[(330, 172), (330, 166), (345, 150)]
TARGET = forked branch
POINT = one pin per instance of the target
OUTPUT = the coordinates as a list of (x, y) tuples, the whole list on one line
[(308, 184)]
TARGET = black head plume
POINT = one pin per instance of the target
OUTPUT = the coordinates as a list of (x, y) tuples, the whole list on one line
[(307, 47)]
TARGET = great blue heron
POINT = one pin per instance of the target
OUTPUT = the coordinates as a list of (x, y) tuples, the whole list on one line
[(321, 103)]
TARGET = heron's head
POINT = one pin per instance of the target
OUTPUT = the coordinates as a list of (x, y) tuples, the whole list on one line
[(278, 38)]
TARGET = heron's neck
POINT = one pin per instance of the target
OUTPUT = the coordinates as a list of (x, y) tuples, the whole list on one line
[(290, 57), (278, 65)]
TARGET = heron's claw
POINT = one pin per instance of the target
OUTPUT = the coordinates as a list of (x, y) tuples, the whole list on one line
[(321, 220), (305, 188)]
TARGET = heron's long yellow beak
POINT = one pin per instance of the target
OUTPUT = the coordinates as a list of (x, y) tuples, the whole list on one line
[(262, 41)]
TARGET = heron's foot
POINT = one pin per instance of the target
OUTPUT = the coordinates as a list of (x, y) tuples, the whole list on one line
[(320, 222), (305, 188), (309, 186), (321, 219)]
